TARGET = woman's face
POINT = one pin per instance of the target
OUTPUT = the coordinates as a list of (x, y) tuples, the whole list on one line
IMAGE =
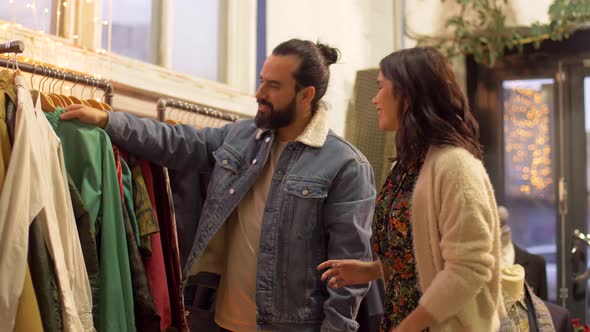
[(387, 104)]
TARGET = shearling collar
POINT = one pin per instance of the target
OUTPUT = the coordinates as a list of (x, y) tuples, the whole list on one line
[(314, 134)]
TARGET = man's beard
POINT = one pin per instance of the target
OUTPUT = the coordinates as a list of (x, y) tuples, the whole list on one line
[(275, 119)]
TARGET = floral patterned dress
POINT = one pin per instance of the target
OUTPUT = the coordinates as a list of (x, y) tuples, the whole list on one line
[(392, 229)]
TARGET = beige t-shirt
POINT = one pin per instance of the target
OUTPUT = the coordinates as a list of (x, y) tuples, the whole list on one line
[(236, 300)]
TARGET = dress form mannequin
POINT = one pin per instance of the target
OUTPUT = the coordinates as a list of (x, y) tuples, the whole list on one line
[(524, 310), (535, 267), (512, 282), (513, 293), (506, 238)]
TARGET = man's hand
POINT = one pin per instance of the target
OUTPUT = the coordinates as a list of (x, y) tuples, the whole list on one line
[(86, 114), (347, 272)]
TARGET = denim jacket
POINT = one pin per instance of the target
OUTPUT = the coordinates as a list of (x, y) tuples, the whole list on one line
[(319, 207)]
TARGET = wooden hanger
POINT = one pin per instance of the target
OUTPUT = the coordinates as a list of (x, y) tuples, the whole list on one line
[(91, 100), (95, 104), (57, 100), (172, 122), (47, 104), (82, 100), (66, 100)]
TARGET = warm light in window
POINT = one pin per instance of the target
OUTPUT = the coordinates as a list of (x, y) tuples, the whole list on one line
[(65, 4), (526, 132)]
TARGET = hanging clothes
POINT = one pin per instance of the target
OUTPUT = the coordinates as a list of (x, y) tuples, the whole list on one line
[(126, 184), (7, 95), (10, 119), (144, 212), (86, 234), (169, 245), (147, 317), (90, 162), (28, 316), (154, 264), (35, 186), (44, 280)]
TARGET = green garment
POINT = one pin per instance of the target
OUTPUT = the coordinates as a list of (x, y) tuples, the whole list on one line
[(44, 280), (128, 195), (90, 162), (88, 243)]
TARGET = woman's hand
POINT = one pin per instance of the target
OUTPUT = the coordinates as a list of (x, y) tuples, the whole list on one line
[(348, 272), (418, 320), (86, 114)]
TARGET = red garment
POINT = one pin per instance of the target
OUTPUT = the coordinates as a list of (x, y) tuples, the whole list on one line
[(154, 265), (117, 154), (170, 245)]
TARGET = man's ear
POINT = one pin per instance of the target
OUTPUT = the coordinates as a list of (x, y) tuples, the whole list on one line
[(307, 94)]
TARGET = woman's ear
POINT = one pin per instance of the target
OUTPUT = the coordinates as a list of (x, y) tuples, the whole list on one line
[(405, 105)]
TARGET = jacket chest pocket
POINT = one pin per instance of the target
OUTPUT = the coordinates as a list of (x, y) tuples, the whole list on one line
[(304, 198), (226, 171)]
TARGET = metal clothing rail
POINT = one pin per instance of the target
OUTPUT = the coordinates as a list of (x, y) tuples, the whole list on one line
[(15, 46), (164, 103), (18, 47)]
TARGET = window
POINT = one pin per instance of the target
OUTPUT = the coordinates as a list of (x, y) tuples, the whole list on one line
[(131, 28), (188, 36), (195, 41), (36, 15), (529, 168)]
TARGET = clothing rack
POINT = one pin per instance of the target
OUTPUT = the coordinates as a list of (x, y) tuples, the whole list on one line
[(164, 103), (18, 47), (15, 47)]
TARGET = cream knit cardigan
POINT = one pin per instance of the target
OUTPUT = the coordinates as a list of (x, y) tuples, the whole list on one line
[(457, 242)]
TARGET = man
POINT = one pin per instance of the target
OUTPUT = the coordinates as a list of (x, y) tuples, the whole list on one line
[(285, 194)]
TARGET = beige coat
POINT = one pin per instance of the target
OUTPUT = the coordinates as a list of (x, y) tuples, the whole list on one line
[(457, 242)]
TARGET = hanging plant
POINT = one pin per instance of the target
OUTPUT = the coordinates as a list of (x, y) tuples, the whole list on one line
[(479, 29)]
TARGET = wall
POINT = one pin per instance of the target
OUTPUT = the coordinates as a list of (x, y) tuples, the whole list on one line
[(362, 30), (436, 12)]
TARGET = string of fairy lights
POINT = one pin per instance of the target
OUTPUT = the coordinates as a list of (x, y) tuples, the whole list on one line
[(527, 143), (45, 12)]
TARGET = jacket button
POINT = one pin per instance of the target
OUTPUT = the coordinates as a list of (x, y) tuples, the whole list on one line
[(254, 162), (267, 139), (305, 192), (231, 191), (210, 225), (224, 162)]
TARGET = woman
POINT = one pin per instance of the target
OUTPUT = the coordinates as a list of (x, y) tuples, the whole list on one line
[(436, 228)]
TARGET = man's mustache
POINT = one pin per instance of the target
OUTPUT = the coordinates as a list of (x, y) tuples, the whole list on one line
[(264, 102)]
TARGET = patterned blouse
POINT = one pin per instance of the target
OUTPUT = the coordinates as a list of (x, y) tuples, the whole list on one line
[(392, 230)]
